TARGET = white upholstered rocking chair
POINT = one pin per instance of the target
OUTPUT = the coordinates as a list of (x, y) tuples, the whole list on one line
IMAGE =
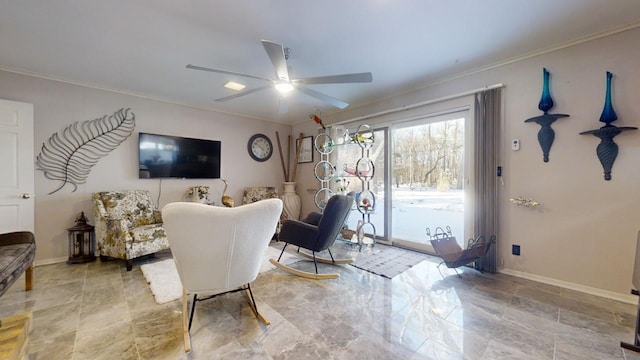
[(218, 250)]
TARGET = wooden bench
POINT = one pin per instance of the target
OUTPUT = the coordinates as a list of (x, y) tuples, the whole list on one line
[(17, 252)]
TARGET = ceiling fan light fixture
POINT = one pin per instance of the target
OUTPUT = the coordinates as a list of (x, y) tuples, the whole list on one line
[(278, 54), (234, 86), (284, 87)]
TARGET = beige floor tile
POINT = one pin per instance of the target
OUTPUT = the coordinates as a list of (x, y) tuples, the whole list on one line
[(99, 310)]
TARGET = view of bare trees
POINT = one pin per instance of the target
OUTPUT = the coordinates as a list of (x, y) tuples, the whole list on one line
[(429, 155), (427, 160)]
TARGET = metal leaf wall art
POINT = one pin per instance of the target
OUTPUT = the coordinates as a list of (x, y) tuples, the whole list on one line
[(69, 155)]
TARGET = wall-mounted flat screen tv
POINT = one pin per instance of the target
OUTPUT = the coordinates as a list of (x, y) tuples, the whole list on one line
[(163, 156)]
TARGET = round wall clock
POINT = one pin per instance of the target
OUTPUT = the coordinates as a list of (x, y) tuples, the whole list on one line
[(260, 147)]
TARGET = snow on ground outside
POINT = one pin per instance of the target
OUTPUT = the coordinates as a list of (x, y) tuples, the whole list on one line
[(415, 210)]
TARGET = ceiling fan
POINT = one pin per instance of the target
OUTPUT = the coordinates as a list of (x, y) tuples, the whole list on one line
[(279, 55)]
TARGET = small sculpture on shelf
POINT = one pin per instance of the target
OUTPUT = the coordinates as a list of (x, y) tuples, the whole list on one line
[(198, 193), (317, 120), (352, 171), (342, 185), (546, 135), (607, 150), (226, 200), (520, 201), (364, 137), (365, 204)]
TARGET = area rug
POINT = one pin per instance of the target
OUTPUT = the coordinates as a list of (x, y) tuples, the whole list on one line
[(389, 261), (164, 281)]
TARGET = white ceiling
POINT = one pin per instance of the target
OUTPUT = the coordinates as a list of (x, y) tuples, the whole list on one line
[(142, 46)]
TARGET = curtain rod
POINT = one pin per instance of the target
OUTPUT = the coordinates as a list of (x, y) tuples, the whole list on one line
[(422, 103)]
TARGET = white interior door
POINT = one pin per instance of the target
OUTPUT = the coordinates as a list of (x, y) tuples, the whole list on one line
[(17, 187)]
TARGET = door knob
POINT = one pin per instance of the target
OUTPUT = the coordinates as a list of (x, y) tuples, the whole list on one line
[(25, 196)]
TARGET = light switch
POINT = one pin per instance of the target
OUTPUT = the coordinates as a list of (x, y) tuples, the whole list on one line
[(515, 144)]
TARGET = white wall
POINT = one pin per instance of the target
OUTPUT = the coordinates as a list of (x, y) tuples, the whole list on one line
[(584, 234), (58, 104)]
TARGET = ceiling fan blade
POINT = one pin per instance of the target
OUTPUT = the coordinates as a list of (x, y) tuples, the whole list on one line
[(323, 97), (194, 67), (276, 54), (365, 77), (243, 93)]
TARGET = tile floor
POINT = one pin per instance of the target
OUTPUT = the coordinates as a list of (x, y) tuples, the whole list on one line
[(101, 311)]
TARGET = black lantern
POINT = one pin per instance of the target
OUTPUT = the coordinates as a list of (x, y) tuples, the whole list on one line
[(82, 242)]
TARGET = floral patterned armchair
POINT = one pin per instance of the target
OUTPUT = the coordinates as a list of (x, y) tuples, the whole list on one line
[(253, 194), (128, 225)]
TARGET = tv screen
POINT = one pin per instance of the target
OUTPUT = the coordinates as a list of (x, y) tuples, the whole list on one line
[(163, 156)]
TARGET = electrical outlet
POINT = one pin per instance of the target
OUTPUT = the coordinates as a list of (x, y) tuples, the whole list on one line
[(515, 250), (515, 144)]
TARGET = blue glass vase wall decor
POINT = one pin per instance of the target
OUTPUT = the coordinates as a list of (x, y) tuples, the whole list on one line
[(607, 150), (546, 102), (608, 114), (546, 135)]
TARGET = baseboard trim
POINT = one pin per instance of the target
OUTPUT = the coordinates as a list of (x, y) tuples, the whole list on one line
[(630, 299), (50, 261)]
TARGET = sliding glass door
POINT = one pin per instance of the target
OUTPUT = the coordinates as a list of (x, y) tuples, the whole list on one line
[(428, 177), (419, 180)]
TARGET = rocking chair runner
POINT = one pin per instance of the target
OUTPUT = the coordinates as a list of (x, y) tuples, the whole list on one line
[(317, 232), (453, 255)]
